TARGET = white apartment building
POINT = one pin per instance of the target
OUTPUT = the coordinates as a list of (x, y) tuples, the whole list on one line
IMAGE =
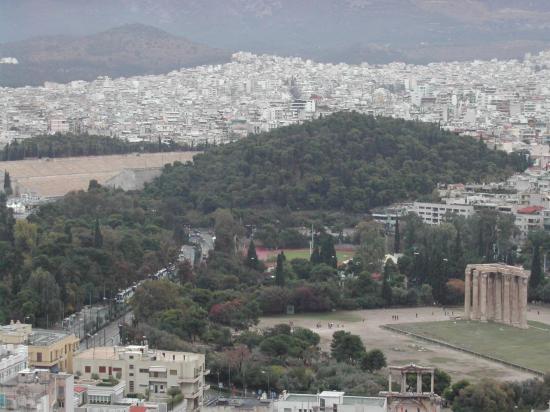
[(436, 213), (13, 359), (147, 371)]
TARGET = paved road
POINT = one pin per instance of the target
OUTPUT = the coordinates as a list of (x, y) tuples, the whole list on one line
[(106, 336)]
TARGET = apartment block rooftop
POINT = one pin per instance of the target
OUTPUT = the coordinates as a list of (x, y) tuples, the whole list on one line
[(141, 352)]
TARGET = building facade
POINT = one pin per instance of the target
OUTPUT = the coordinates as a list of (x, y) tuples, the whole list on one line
[(38, 390), (146, 371), (13, 359), (47, 349)]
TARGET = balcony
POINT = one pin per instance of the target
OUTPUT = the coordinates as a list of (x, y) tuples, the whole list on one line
[(206, 372), (189, 380), (192, 395)]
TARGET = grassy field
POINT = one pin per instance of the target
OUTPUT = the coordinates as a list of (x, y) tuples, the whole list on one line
[(528, 348), (326, 316), (304, 254)]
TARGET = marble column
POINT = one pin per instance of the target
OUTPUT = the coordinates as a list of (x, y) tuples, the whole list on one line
[(419, 382), (467, 294), (432, 382), (483, 298), (506, 300), (475, 296), (514, 292), (522, 303), (498, 297), (403, 383), (490, 297), (389, 382)]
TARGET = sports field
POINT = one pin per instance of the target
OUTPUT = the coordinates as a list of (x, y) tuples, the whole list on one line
[(528, 348), (304, 254)]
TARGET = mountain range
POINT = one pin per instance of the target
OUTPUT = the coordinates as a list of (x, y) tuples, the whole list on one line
[(128, 50), (352, 31)]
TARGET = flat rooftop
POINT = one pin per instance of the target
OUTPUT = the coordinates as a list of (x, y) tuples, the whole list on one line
[(115, 352), (348, 400), (46, 337)]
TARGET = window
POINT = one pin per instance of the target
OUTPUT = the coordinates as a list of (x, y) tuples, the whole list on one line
[(117, 370), (131, 356), (87, 369), (131, 366), (102, 369), (39, 356), (131, 386), (144, 371), (173, 372)]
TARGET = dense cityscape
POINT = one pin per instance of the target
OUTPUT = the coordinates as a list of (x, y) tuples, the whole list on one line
[(504, 100)]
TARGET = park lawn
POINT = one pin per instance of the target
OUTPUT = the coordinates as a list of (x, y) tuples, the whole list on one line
[(336, 316), (304, 254), (528, 348)]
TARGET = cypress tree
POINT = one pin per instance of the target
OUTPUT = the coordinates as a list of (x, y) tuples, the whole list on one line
[(536, 270), (328, 252), (252, 256), (386, 287), (397, 238), (279, 273), (98, 237), (7, 183), (315, 257)]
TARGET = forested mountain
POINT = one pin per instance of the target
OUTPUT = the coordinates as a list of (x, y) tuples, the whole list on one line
[(67, 145), (72, 250), (346, 161)]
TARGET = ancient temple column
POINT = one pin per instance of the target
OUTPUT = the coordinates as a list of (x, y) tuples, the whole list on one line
[(432, 382), (389, 382), (467, 293), (490, 297), (498, 297), (523, 303), (419, 382), (403, 382), (483, 298), (514, 292), (506, 300), (475, 295)]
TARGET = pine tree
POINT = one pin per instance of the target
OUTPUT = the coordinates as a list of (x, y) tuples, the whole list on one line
[(315, 257), (536, 270), (7, 183), (252, 256), (98, 237), (279, 271), (397, 238)]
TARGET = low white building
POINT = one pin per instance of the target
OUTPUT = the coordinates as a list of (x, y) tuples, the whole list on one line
[(13, 359), (147, 371), (329, 401)]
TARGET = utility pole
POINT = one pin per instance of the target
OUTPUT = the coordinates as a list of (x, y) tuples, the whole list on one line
[(311, 242)]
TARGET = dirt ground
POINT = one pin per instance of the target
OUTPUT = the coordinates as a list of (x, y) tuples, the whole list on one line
[(401, 349)]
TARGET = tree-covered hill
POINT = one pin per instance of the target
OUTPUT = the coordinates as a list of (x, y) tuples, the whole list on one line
[(346, 161)]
